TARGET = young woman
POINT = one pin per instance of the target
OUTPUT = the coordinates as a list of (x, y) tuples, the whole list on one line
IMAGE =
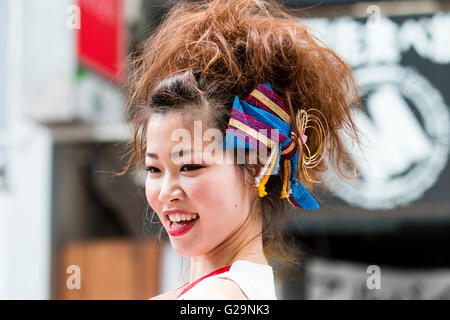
[(243, 76)]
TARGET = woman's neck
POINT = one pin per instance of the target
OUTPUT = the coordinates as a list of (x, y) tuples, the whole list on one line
[(246, 245)]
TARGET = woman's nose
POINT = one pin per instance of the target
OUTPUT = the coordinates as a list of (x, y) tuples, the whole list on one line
[(170, 192)]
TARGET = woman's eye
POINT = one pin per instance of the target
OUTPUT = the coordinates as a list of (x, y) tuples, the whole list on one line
[(151, 169), (191, 167)]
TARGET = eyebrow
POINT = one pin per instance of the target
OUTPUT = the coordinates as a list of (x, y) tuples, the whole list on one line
[(173, 154)]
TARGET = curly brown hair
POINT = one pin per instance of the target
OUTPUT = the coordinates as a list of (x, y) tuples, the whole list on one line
[(205, 53)]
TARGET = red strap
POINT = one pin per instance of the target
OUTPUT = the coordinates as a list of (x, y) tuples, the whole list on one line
[(218, 271)]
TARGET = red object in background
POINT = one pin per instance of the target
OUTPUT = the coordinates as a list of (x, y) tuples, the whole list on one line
[(101, 39)]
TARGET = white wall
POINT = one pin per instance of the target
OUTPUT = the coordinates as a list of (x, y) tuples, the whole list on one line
[(25, 205), (4, 196)]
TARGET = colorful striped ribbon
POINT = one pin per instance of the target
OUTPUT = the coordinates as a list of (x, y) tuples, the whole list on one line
[(262, 119)]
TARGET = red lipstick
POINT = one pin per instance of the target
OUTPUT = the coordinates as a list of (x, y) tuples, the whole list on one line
[(180, 231)]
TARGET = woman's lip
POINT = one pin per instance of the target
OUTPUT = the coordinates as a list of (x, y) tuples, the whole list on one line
[(180, 231), (177, 211)]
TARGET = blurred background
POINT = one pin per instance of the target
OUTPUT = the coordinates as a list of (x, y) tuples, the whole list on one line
[(70, 229)]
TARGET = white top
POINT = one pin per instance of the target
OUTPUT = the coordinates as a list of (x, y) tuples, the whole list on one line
[(255, 280)]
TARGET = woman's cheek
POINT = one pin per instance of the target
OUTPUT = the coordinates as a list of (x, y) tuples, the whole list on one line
[(203, 193), (212, 194), (151, 195)]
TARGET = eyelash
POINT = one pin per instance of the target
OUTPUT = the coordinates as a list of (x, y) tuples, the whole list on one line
[(186, 165)]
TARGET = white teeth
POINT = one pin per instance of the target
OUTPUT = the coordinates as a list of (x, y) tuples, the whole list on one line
[(177, 217)]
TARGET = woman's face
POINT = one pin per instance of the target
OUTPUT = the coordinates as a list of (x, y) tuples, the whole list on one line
[(203, 186)]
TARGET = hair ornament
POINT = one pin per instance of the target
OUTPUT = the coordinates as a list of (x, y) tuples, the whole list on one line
[(306, 119), (262, 119)]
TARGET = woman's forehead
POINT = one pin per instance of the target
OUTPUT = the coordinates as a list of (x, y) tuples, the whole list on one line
[(166, 123), (174, 135)]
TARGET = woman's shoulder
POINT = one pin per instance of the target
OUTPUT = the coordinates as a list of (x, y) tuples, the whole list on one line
[(216, 289), (245, 280), (170, 295)]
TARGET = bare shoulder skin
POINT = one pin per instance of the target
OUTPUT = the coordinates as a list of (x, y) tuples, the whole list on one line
[(215, 289), (171, 295)]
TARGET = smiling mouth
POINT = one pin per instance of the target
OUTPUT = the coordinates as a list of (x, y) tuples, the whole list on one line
[(178, 228), (180, 224)]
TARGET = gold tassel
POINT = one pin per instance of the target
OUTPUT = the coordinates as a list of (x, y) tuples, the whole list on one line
[(285, 179), (262, 184)]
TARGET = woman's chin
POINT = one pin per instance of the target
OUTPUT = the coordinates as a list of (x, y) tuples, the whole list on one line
[(185, 249)]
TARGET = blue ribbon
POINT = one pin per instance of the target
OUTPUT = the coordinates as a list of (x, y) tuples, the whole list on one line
[(299, 193)]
